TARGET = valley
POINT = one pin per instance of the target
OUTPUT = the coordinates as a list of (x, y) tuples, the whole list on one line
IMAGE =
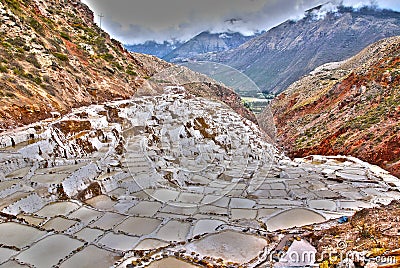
[(151, 176)]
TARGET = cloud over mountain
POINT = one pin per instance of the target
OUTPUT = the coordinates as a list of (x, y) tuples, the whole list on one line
[(138, 21)]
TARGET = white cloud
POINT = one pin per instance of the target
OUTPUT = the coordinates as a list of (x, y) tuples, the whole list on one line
[(133, 21)]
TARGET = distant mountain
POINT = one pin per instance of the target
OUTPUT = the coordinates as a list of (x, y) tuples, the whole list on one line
[(281, 56), (206, 42), (347, 108), (154, 48)]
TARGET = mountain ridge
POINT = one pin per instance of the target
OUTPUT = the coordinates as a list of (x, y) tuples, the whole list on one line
[(346, 108), (298, 47), (206, 42), (154, 48)]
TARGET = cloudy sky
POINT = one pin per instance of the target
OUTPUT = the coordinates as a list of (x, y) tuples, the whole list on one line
[(135, 21)]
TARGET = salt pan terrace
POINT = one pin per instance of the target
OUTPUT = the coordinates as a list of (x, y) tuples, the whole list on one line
[(167, 181)]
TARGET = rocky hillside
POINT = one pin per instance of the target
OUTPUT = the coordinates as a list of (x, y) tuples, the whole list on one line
[(206, 42), (281, 56), (54, 58), (348, 108)]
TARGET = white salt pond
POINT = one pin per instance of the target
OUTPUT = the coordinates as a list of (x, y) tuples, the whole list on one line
[(49, 251), (108, 221), (89, 257), (85, 214), (89, 234), (138, 226), (217, 201), (147, 244), (56, 209), (206, 226), (18, 235), (295, 217), (118, 241), (173, 231), (6, 253), (230, 246)]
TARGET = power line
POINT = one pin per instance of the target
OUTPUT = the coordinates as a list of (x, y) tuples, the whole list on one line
[(101, 16)]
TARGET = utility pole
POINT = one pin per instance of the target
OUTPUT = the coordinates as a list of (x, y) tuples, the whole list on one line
[(101, 16)]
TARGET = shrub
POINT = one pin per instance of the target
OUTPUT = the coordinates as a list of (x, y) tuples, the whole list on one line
[(24, 90), (17, 41), (60, 56), (17, 71), (13, 4), (47, 79), (131, 72), (118, 66), (6, 45), (3, 68), (107, 57), (33, 60), (37, 80), (36, 25), (65, 36)]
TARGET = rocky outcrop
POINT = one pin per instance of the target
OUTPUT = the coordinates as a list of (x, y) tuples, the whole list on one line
[(348, 108)]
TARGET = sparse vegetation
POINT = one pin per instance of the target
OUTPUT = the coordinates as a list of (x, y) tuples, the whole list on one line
[(130, 72), (107, 57), (3, 68), (32, 59), (17, 42), (13, 5), (36, 25), (65, 36), (61, 57)]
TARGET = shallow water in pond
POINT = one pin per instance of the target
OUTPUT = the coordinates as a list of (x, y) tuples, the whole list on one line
[(229, 245), (49, 178), (145, 208), (18, 235), (293, 218), (138, 226), (59, 224), (101, 202), (147, 244), (173, 231), (54, 247), (91, 257), (118, 241), (55, 209)]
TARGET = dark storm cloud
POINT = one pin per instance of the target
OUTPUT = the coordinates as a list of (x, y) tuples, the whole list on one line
[(133, 21)]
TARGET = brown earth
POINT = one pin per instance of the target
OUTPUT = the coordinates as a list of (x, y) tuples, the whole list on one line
[(375, 231), (347, 108)]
